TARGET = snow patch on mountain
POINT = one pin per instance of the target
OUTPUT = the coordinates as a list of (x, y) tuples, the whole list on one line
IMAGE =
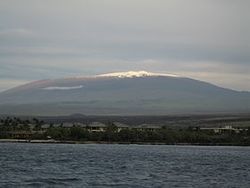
[(63, 88), (135, 74)]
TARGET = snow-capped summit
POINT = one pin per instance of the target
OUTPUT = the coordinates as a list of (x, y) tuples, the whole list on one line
[(134, 74)]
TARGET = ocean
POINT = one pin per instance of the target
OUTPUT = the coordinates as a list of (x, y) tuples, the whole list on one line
[(123, 166)]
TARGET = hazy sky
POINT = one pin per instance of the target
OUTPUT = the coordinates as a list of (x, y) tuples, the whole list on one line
[(203, 39)]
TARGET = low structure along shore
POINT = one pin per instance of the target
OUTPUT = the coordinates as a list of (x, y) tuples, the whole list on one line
[(35, 131)]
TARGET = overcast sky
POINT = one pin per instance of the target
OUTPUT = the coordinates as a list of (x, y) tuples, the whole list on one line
[(203, 39)]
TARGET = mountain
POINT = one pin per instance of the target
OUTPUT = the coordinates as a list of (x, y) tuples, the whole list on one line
[(122, 93)]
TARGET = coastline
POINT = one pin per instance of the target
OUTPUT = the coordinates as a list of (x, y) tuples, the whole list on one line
[(121, 143)]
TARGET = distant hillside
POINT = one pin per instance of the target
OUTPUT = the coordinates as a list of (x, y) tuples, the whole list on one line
[(126, 93)]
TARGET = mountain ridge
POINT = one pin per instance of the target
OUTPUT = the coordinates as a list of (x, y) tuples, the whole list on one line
[(123, 93)]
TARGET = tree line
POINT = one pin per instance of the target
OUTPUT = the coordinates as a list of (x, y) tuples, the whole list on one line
[(111, 133)]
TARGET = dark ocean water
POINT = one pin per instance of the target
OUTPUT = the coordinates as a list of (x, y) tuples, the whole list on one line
[(65, 165)]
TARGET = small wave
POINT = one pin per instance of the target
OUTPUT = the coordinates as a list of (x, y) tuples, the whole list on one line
[(51, 181)]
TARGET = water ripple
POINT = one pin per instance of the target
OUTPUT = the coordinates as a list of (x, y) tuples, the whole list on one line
[(62, 165)]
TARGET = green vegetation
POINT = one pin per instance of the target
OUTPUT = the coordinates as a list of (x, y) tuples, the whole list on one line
[(15, 128)]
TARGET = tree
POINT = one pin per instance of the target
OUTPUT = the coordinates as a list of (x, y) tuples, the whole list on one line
[(111, 132)]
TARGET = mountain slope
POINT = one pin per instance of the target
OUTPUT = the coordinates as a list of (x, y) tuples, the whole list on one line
[(125, 93)]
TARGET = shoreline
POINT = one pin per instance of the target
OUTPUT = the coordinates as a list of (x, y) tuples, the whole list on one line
[(119, 143)]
